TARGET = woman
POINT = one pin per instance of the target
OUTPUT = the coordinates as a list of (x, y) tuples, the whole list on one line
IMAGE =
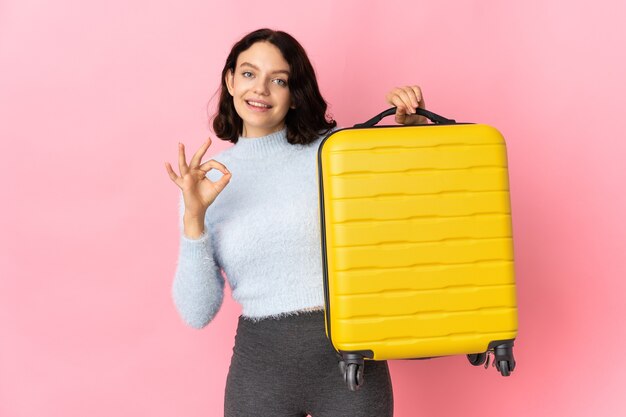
[(263, 231)]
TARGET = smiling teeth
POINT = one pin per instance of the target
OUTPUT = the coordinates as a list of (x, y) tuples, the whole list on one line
[(255, 104)]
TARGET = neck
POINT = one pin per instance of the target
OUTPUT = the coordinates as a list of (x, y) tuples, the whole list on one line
[(252, 133), (261, 147)]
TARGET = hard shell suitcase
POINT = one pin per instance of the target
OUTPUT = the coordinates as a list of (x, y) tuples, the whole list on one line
[(417, 244)]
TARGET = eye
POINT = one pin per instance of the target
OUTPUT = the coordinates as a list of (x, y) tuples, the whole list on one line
[(280, 82), (246, 74)]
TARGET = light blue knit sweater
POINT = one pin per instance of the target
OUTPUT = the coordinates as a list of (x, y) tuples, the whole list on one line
[(263, 230)]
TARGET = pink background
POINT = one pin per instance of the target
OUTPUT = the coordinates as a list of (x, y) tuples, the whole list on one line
[(96, 95)]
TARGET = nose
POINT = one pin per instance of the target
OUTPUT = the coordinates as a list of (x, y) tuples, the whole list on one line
[(260, 87)]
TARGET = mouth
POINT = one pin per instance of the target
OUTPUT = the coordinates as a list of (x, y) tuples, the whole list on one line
[(257, 105)]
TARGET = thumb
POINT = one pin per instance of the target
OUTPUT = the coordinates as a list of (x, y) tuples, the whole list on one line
[(222, 182)]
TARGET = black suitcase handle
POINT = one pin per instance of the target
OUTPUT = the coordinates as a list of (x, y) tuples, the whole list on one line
[(435, 118)]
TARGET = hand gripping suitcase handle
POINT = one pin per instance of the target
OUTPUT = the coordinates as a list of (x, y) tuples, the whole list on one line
[(435, 118)]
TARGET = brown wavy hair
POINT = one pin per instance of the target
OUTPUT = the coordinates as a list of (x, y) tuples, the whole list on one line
[(304, 123)]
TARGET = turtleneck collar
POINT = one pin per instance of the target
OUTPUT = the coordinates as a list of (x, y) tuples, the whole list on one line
[(264, 146)]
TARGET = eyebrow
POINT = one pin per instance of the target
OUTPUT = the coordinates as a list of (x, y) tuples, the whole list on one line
[(257, 68)]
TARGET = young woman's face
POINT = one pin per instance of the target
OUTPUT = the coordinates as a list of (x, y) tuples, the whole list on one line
[(260, 89)]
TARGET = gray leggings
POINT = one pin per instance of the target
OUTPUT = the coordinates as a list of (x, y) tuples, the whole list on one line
[(287, 367)]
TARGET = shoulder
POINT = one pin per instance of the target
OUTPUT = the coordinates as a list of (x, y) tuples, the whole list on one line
[(224, 153), (317, 141), (330, 132)]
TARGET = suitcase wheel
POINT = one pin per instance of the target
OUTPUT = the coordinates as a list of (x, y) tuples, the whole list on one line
[(354, 376), (503, 367), (351, 366), (503, 359), (477, 359)]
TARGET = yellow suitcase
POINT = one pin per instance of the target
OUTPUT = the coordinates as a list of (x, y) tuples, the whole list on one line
[(417, 244)]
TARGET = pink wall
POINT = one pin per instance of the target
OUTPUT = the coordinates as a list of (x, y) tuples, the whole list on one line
[(94, 97)]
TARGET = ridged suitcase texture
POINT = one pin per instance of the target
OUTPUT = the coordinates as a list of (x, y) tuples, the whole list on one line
[(416, 240)]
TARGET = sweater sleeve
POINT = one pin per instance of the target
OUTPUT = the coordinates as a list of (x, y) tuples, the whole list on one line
[(198, 286)]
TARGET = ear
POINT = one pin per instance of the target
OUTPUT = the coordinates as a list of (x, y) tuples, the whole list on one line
[(230, 81)]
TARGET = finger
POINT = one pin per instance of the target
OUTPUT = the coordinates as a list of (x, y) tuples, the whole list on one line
[(222, 182), (419, 95), (404, 95), (400, 104), (422, 103), (415, 101), (197, 157), (392, 94), (172, 174), (212, 163), (182, 161), (400, 109)]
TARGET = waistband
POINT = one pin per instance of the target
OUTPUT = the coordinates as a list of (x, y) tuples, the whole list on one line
[(291, 315)]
